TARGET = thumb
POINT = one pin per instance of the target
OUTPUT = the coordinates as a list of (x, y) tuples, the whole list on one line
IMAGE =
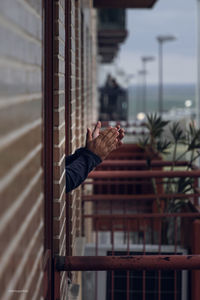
[(89, 135), (96, 130)]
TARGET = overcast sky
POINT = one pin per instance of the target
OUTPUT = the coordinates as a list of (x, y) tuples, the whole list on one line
[(174, 17)]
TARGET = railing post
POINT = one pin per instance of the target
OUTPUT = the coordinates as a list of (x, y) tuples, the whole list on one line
[(196, 250), (131, 262)]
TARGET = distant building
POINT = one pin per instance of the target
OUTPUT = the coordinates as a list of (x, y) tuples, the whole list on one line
[(113, 101)]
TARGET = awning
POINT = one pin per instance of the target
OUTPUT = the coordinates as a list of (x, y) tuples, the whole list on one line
[(124, 3)]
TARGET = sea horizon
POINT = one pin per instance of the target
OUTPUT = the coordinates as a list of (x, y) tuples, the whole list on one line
[(174, 96)]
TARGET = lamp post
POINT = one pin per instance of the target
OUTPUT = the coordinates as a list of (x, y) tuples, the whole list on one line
[(141, 74), (162, 39), (145, 59)]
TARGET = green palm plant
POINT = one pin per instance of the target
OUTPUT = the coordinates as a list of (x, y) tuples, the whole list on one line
[(178, 137), (192, 142), (156, 126), (163, 146), (155, 145)]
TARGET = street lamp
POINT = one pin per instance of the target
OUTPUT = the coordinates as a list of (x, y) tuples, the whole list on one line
[(145, 59), (162, 39)]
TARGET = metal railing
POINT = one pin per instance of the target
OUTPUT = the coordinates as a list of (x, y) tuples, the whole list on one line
[(129, 236)]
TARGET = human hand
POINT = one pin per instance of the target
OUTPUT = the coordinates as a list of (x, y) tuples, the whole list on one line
[(96, 131), (104, 143)]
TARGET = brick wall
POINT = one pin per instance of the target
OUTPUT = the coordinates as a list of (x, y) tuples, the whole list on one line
[(79, 105), (23, 105), (59, 222), (79, 88), (94, 65), (21, 190)]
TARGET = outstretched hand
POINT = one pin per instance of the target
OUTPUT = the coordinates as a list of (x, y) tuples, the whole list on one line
[(96, 131), (103, 142)]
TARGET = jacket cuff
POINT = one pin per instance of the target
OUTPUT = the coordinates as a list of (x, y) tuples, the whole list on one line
[(95, 157)]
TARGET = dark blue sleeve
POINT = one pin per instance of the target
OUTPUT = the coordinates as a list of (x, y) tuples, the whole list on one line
[(69, 159), (78, 166)]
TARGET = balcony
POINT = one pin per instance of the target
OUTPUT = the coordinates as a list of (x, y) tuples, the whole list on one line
[(111, 32), (135, 248), (112, 24)]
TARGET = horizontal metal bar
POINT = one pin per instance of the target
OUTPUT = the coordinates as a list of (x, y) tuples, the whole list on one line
[(137, 262), (136, 132), (140, 163), (117, 197), (143, 215), (123, 123), (126, 155), (129, 146), (142, 174), (118, 182)]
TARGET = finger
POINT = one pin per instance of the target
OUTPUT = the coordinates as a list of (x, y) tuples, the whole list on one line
[(113, 146), (109, 134), (121, 130), (121, 134), (106, 131), (96, 130), (109, 142), (112, 140), (118, 127), (110, 148), (89, 135), (119, 144), (103, 133)]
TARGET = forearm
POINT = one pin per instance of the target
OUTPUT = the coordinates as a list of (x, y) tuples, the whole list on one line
[(70, 158), (78, 170)]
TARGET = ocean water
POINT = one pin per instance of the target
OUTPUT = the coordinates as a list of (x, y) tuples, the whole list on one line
[(174, 96)]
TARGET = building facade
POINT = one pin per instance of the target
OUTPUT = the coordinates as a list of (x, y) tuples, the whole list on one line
[(47, 100)]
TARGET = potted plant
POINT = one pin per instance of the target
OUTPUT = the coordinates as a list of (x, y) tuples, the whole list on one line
[(180, 143)]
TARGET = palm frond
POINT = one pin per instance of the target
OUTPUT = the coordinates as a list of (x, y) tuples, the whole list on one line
[(176, 205), (155, 124), (193, 137), (143, 142), (184, 185), (163, 146), (177, 133)]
